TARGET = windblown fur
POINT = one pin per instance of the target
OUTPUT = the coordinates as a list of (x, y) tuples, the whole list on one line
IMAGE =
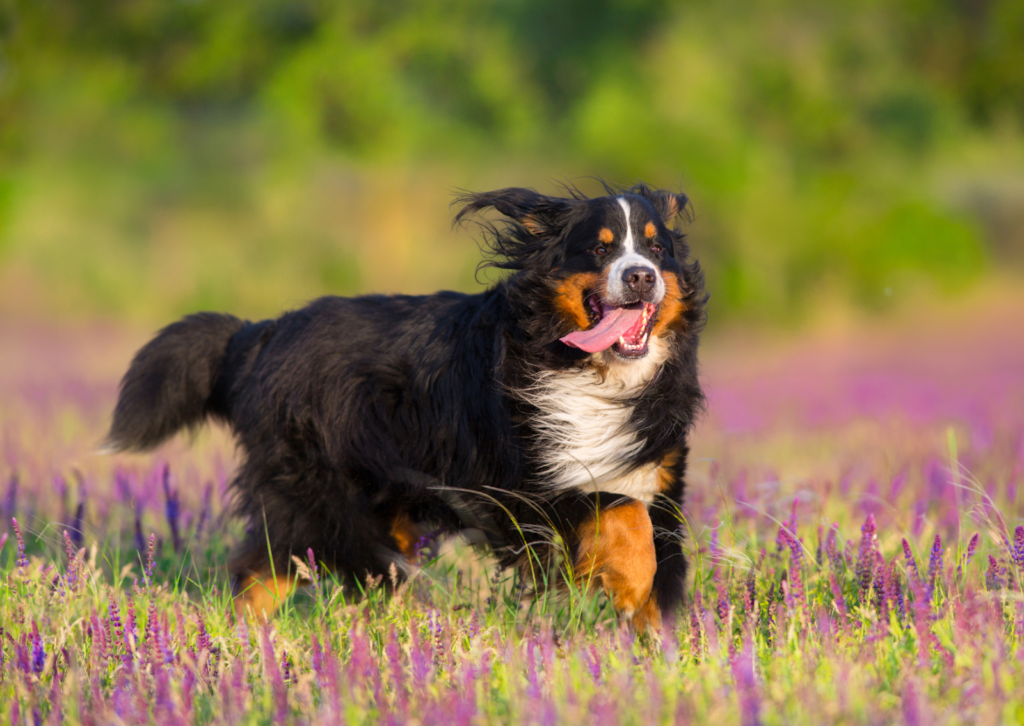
[(453, 411)]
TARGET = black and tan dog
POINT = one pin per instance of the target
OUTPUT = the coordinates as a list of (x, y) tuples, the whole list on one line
[(558, 401)]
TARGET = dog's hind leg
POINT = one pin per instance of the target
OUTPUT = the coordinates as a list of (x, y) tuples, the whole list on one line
[(615, 549), (259, 588), (406, 534), (259, 595)]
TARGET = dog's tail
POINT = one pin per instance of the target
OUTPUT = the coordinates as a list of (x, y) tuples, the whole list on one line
[(174, 382)]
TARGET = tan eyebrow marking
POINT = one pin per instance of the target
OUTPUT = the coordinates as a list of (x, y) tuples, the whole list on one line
[(605, 235), (650, 230)]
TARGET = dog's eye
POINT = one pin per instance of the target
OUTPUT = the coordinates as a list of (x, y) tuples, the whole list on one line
[(656, 248), (600, 251)]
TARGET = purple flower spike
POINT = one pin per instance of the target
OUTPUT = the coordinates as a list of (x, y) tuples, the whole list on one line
[(832, 550), (593, 661), (973, 545), (313, 572), (77, 533), (747, 688), (795, 589), (173, 508), (1018, 547), (140, 542), (276, 678), (38, 651), (911, 706), (22, 560), (11, 500), (935, 561), (866, 556), (994, 576), (837, 596), (909, 557), (750, 593), (150, 556)]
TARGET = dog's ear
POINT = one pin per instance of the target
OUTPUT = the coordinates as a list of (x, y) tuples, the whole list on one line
[(667, 204), (540, 216)]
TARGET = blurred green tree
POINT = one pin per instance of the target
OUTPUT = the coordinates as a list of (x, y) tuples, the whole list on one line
[(148, 147)]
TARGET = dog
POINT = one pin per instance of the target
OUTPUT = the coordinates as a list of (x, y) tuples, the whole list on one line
[(550, 413)]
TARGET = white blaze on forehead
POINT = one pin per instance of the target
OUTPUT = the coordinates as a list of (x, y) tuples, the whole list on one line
[(631, 258), (628, 242)]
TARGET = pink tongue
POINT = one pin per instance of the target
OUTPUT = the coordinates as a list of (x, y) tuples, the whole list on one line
[(603, 335)]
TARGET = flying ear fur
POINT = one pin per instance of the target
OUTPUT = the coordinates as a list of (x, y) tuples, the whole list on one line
[(539, 215), (668, 204)]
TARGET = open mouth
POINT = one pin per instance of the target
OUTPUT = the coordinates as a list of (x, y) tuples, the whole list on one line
[(626, 329)]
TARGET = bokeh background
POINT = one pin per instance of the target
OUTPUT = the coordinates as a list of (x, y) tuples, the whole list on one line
[(161, 157)]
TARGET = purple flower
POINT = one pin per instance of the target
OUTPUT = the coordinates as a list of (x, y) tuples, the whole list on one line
[(911, 705), (909, 557), (994, 575), (750, 593), (837, 595), (99, 637), (935, 562), (795, 585), (747, 688), (770, 612), (287, 668), (973, 545), (314, 573), (22, 560), (172, 508), (832, 550), (115, 618), (203, 640), (724, 604), (1017, 553), (140, 542), (881, 584), (71, 576), (695, 625), (204, 514), (593, 661), (866, 556), (150, 557), (276, 678), (77, 533), (922, 621), (11, 500), (38, 651)]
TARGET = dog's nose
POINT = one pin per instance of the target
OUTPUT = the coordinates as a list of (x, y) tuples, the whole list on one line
[(639, 279)]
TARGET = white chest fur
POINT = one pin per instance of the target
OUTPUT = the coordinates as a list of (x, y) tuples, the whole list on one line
[(583, 422)]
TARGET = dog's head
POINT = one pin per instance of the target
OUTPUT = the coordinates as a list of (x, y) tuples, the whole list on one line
[(613, 267)]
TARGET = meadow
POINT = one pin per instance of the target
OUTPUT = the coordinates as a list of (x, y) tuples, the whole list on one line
[(852, 520)]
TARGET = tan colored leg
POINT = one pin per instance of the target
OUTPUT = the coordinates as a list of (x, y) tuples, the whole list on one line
[(616, 549), (262, 595), (406, 534)]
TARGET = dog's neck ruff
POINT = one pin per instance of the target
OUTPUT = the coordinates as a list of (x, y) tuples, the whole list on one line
[(583, 425)]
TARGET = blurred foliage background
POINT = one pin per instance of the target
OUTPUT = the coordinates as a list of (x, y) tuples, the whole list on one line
[(161, 156)]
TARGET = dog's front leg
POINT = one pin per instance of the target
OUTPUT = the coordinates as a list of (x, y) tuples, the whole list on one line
[(615, 549)]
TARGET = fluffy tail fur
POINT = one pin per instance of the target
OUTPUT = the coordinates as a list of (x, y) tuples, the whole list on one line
[(172, 382)]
